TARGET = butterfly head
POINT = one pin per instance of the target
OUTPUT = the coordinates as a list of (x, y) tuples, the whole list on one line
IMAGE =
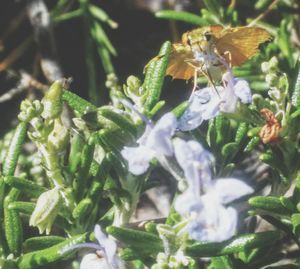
[(201, 39)]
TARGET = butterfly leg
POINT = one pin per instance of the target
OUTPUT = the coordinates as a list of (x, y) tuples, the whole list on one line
[(197, 68), (205, 73), (195, 80), (228, 53)]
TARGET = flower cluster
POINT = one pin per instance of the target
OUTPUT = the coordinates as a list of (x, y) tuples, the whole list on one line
[(207, 103), (204, 201), (154, 143)]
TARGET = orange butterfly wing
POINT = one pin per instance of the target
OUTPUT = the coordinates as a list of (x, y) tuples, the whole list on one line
[(178, 68), (241, 42)]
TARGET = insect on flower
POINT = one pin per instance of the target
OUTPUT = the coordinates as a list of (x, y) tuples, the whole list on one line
[(207, 50)]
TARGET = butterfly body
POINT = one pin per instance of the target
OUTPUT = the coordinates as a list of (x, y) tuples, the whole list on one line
[(208, 49)]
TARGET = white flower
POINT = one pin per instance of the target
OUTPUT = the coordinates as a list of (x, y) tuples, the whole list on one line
[(106, 253), (207, 103), (154, 143), (204, 201), (109, 249), (93, 261), (203, 105), (235, 89), (214, 221), (195, 162)]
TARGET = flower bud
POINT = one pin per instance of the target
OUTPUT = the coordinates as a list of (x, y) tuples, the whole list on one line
[(273, 64), (265, 67), (271, 80), (275, 94), (46, 210), (133, 89), (133, 84), (58, 138), (270, 66), (29, 110), (112, 82), (53, 101)]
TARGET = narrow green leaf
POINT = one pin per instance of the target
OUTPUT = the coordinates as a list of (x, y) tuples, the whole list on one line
[(156, 108), (119, 119), (237, 244), (102, 16), (213, 6), (149, 68), (241, 132), (14, 149), (211, 134), (82, 209), (296, 92), (12, 223), (105, 57), (158, 75), (136, 239), (254, 141), (102, 39), (68, 16), (82, 174), (24, 185), (295, 218), (222, 128), (179, 110), (77, 103), (77, 143), (270, 204), (222, 262), (113, 139), (42, 242), (181, 16), (22, 207), (229, 150), (43, 257)]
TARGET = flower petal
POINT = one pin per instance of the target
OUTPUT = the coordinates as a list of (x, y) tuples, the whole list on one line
[(190, 120), (93, 261), (229, 100), (242, 91), (229, 189), (204, 105), (195, 162), (215, 223), (110, 248), (187, 203), (159, 139), (138, 158)]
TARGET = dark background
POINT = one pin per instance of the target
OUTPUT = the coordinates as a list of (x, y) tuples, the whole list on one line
[(137, 40)]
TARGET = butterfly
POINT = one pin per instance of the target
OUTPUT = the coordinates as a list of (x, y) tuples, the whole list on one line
[(208, 49)]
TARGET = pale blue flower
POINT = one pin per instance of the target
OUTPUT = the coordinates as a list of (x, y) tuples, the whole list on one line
[(195, 162), (214, 221), (234, 90), (154, 143), (203, 105), (204, 201), (207, 103), (106, 253)]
